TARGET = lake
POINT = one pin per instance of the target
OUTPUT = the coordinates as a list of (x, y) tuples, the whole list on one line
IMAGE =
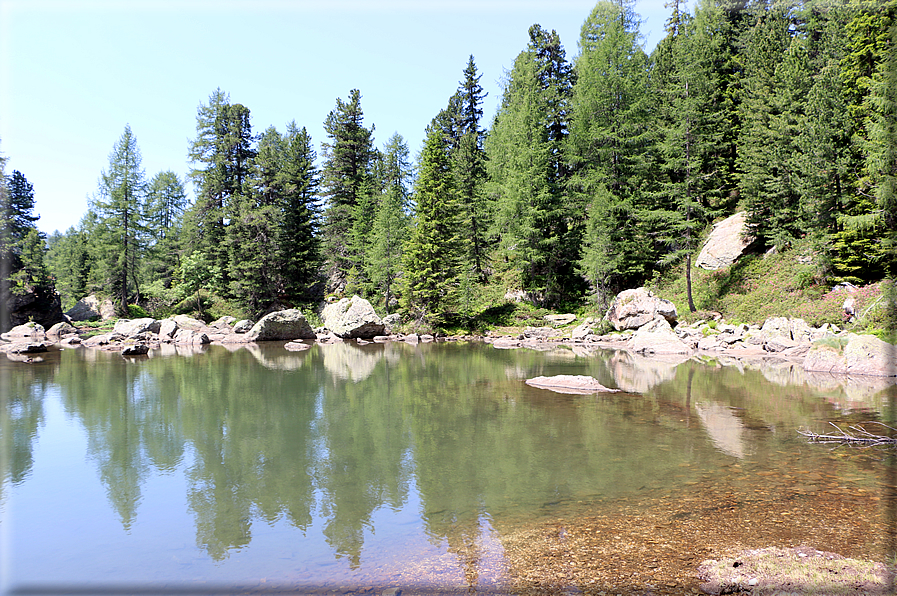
[(363, 468)]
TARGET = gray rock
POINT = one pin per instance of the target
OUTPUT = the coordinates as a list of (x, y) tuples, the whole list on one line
[(32, 347), (576, 384), (135, 350), (353, 318), (132, 327), (61, 330), (168, 328), (729, 240), (392, 321), (91, 308), (584, 329), (225, 322), (283, 325), (26, 330), (861, 355), (711, 342), (296, 346), (243, 326), (633, 308), (560, 320), (190, 337), (779, 343), (657, 337), (187, 322)]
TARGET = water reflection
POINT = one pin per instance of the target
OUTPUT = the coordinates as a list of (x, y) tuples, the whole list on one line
[(330, 440)]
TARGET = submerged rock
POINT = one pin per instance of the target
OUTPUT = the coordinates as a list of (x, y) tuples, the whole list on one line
[(577, 384)]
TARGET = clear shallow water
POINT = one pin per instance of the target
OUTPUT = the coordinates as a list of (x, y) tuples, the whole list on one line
[(368, 466)]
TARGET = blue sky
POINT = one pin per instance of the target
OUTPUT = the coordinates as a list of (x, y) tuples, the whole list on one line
[(73, 73)]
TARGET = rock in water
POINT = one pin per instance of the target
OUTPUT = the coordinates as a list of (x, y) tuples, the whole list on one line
[(352, 318), (281, 325), (577, 384)]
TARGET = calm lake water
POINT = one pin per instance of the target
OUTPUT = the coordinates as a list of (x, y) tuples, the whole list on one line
[(357, 467)]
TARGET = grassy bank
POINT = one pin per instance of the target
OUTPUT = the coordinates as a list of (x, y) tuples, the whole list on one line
[(786, 284)]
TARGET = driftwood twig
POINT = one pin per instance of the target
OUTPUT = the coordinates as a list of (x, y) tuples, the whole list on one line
[(857, 436)]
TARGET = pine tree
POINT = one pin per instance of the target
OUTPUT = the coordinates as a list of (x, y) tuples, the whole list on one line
[(120, 205), (433, 251)]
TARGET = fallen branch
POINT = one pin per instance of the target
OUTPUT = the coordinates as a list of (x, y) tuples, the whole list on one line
[(857, 436)]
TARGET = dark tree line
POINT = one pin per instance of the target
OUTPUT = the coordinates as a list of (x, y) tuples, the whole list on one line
[(595, 174)]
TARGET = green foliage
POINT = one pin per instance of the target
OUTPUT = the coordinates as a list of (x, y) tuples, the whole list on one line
[(434, 249), (118, 241), (135, 311), (347, 185)]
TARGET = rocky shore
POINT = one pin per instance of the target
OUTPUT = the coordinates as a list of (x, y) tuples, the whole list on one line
[(642, 323)]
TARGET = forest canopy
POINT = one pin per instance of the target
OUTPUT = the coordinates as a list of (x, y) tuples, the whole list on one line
[(598, 172)]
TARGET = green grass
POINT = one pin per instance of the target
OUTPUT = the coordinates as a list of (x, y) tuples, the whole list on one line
[(786, 284)]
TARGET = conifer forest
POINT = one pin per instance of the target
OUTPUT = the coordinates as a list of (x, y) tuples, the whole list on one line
[(603, 167)]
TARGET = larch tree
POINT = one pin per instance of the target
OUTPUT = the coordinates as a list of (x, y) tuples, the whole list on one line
[(607, 148), (119, 203), (392, 220)]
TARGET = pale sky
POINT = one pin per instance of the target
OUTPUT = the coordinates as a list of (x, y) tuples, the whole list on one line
[(73, 73)]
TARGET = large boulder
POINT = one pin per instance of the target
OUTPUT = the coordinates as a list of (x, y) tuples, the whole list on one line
[(853, 355), (29, 330), (60, 330), (190, 337), (633, 308), (91, 308), (352, 318), (131, 327), (657, 337), (729, 240), (188, 322), (281, 325), (40, 304)]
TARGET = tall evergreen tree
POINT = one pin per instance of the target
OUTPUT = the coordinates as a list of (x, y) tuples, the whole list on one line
[(882, 153), (166, 203), (392, 220), (346, 183), (299, 241), (527, 170), (433, 251), (222, 154), (608, 146), (120, 205), (776, 77)]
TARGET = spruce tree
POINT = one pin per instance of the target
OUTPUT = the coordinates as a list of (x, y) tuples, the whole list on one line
[(346, 184), (433, 251), (775, 87), (222, 154), (298, 239)]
